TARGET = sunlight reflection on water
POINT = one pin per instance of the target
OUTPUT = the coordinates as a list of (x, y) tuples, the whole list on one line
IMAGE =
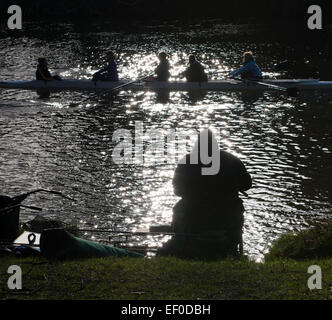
[(65, 142)]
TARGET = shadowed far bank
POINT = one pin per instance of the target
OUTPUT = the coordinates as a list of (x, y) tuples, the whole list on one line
[(255, 10)]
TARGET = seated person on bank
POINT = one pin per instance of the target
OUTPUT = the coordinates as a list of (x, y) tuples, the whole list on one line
[(210, 202), (42, 72), (195, 72), (249, 70), (109, 72), (208, 180)]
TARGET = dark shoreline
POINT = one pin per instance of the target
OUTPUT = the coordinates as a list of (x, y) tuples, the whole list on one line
[(125, 10)]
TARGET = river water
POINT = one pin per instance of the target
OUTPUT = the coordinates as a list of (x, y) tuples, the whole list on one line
[(64, 142)]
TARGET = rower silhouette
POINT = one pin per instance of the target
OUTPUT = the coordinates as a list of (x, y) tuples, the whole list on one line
[(208, 219), (195, 71)]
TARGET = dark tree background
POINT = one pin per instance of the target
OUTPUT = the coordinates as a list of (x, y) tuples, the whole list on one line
[(152, 10)]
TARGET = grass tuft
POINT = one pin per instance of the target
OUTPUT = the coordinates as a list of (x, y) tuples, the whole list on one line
[(315, 242)]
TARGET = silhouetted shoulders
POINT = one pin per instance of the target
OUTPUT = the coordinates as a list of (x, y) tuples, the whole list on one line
[(185, 174), (232, 168), (232, 178)]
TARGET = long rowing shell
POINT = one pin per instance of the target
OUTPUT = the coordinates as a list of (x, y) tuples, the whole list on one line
[(214, 85)]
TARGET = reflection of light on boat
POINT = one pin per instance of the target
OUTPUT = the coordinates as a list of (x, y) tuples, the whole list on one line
[(214, 85)]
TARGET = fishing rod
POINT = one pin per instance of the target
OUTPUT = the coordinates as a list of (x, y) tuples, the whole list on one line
[(16, 201), (22, 206), (25, 195), (150, 233)]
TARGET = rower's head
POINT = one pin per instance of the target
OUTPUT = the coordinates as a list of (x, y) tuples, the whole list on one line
[(191, 58), (42, 61), (248, 56), (162, 56), (110, 55)]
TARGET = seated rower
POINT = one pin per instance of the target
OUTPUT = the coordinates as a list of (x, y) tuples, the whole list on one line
[(249, 70), (162, 70), (195, 72), (108, 72), (42, 72)]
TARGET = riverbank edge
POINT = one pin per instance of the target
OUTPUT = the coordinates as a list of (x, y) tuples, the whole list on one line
[(165, 278)]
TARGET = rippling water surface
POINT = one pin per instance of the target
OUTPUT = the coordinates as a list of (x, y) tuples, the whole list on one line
[(65, 142)]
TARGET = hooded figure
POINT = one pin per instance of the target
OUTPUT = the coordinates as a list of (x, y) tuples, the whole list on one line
[(209, 180), (208, 219)]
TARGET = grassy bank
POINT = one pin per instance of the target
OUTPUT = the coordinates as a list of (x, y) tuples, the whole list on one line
[(164, 278), (283, 275), (314, 242)]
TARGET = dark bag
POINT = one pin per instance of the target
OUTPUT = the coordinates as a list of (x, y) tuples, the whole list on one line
[(9, 218), (59, 244)]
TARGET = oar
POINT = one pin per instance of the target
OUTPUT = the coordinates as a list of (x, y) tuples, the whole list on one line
[(283, 65), (286, 65), (130, 82), (292, 92)]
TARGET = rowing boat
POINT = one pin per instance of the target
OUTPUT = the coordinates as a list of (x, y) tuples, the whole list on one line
[(213, 85)]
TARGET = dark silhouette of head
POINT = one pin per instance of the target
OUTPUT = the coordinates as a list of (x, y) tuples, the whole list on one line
[(162, 56), (42, 61), (110, 55), (192, 59)]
